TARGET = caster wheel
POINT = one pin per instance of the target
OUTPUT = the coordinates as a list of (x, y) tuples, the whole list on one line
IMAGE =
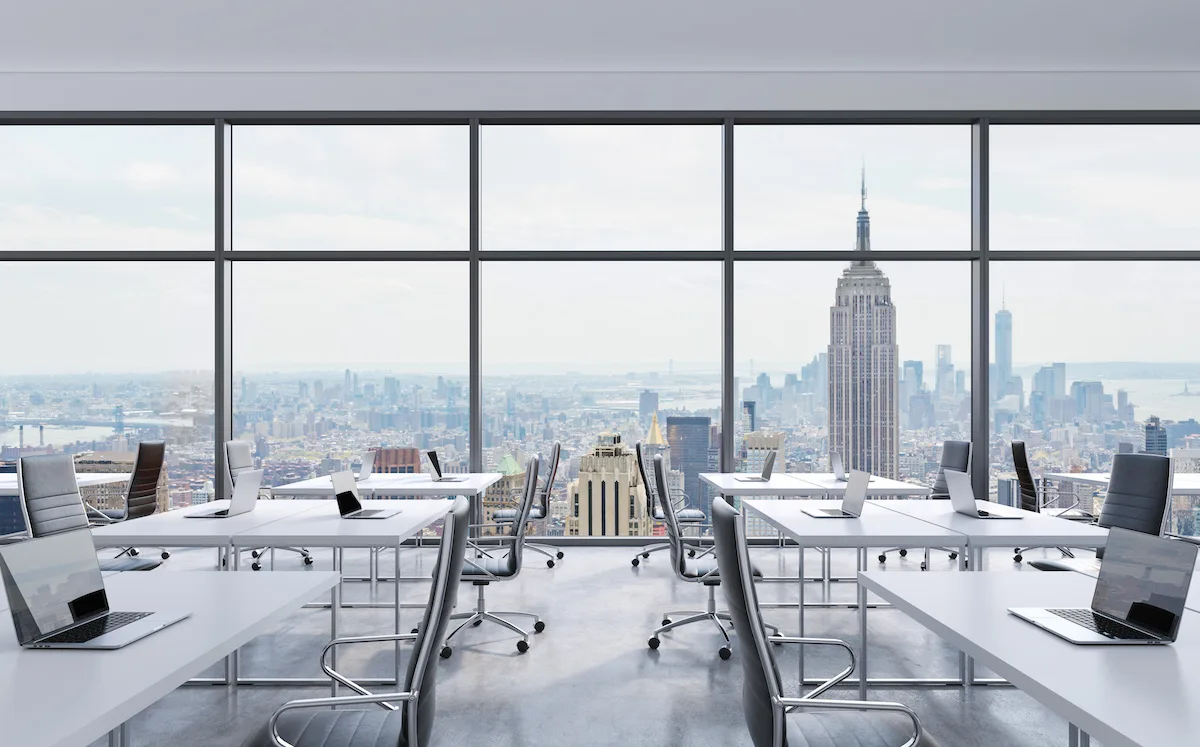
[(725, 652), (645, 555), (539, 626), (224, 562), (414, 632), (904, 553), (446, 651), (882, 558), (635, 562), (1016, 551), (476, 623), (133, 551), (165, 554), (522, 646), (1018, 559), (954, 556), (777, 643), (254, 554), (308, 560), (923, 567), (666, 621), (256, 566), (549, 563), (559, 555), (653, 643)]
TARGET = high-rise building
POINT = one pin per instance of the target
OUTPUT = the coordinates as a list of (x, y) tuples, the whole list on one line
[(749, 417), (1089, 399), (647, 405), (403, 459), (1003, 353), (607, 499), (911, 383), (654, 444), (688, 440), (814, 378), (347, 384), (1156, 436), (944, 383), (864, 393)]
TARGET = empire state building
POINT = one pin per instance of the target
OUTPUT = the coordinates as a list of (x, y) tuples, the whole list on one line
[(864, 397)]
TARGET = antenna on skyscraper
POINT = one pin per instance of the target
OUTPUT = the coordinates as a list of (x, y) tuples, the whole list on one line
[(863, 204)]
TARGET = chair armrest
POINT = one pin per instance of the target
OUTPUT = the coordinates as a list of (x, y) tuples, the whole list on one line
[(384, 699), (481, 569), (1180, 537), (384, 638), (11, 537), (832, 681), (94, 515), (788, 704)]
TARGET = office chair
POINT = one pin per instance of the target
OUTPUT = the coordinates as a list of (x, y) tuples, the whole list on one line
[(687, 517), (141, 497), (772, 719), (1139, 490), (482, 569), (51, 503), (1031, 500), (540, 512), (239, 458), (956, 455), (698, 571), (294, 724)]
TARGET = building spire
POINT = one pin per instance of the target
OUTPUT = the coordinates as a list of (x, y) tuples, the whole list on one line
[(863, 204), (863, 242)]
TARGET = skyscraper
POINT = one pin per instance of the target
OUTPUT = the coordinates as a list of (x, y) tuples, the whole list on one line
[(1003, 353), (688, 439), (1156, 436), (608, 498), (864, 411), (944, 383), (647, 405)]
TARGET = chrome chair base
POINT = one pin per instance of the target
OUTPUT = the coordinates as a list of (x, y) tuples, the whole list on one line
[(482, 613), (717, 617)]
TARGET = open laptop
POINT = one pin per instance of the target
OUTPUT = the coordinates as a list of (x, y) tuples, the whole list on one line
[(368, 464), (436, 470), (962, 497), (837, 467), (1139, 598), (768, 465), (243, 500), (349, 506), (56, 595), (852, 499)]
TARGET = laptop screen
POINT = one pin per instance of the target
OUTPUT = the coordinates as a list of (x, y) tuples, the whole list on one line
[(434, 463), (1144, 580), (346, 492), (52, 582)]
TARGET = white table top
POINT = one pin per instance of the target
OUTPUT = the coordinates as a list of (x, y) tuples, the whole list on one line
[(1033, 529), (875, 528), (877, 486), (1123, 696), (174, 529), (57, 698), (396, 484), (727, 483), (1183, 483), (8, 480), (324, 527)]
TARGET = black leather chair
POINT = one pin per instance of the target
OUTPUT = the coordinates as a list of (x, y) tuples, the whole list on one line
[(696, 571), (239, 458), (1139, 490), (483, 568), (688, 518), (1032, 500), (540, 512), (50, 500), (141, 497), (809, 721), (296, 724), (956, 455)]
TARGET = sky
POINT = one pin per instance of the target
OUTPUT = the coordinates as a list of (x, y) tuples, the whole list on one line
[(583, 187)]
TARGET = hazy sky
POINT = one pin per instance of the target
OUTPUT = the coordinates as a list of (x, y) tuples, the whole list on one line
[(578, 187)]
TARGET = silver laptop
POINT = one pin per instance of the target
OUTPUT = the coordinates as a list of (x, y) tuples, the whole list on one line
[(962, 497), (852, 500), (435, 467), (244, 499), (349, 506), (1140, 594), (57, 598), (368, 465), (768, 465), (837, 467)]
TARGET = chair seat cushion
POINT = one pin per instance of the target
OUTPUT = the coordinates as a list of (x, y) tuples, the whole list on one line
[(690, 515), (113, 513), (658, 514), (319, 727), (497, 566), (704, 566), (851, 729), (1060, 565), (126, 563)]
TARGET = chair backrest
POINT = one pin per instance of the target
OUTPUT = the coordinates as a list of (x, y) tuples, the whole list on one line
[(760, 675), (1029, 494), (551, 474), (142, 497), (674, 531), (646, 472), (956, 455), (421, 675), (49, 495), (239, 457), (516, 543), (1139, 490)]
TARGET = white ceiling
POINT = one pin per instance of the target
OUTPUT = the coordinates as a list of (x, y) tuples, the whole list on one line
[(598, 35)]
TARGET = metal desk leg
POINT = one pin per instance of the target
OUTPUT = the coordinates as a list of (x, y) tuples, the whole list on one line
[(233, 660), (963, 559), (119, 737), (397, 644), (335, 601), (862, 628), (800, 648), (976, 566)]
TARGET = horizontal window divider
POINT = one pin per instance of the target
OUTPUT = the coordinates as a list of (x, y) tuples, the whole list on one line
[(1156, 255), (852, 255), (334, 255), (72, 255), (602, 256)]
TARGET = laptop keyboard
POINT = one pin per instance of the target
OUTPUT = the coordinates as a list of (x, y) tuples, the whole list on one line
[(1100, 624), (95, 628), (365, 514)]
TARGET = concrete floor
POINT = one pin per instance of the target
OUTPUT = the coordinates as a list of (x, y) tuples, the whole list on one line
[(590, 678)]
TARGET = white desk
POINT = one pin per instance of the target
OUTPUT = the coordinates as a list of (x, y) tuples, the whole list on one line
[(875, 528), (174, 529), (1125, 696), (877, 486), (780, 484), (1183, 483), (395, 484), (8, 480), (72, 698)]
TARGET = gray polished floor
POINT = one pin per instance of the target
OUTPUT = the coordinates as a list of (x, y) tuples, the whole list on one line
[(590, 678)]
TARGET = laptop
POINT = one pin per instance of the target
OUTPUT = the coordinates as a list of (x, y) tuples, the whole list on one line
[(962, 497), (436, 470), (852, 499), (368, 464), (56, 595), (839, 469), (244, 499), (349, 505), (768, 465), (1139, 598)]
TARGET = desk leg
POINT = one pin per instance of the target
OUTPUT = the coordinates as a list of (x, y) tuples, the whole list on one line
[(800, 648), (397, 620), (233, 562), (119, 737), (963, 562), (862, 628), (976, 566), (335, 602)]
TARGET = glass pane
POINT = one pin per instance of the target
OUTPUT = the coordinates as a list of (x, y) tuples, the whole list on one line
[(856, 358), (111, 188), (601, 187), (1094, 369), (359, 187), (334, 358), (1094, 187), (94, 374), (600, 356), (796, 187)]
